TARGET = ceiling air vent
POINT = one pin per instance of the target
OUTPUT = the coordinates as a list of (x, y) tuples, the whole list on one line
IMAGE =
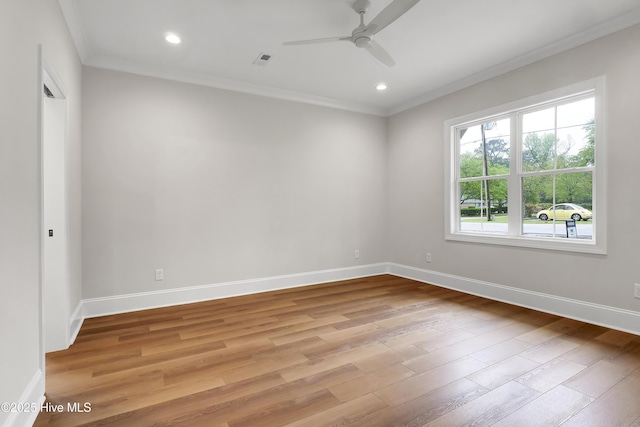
[(262, 59), (48, 92)]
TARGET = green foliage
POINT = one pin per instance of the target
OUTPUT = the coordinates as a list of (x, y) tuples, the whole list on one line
[(470, 211), (538, 152), (497, 153), (531, 209), (473, 211), (574, 187), (472, 165), (587, 155)]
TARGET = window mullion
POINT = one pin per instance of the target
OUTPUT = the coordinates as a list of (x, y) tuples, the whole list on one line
[(514, 213)]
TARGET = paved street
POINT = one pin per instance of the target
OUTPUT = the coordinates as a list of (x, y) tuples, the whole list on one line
[(546, 229)]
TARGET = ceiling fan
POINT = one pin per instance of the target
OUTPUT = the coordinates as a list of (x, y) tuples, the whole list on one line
[(362, 36)]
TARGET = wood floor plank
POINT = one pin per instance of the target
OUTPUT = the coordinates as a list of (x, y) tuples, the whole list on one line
[(374, 351), (427, 407), (619, 406), (551, 374), (334, 360), (488, 408), (371, 382), (501, 351), (428, 381), (349, 413), (290, 410), (376, 362), (549, 350), (502, 372), (597, 378), (550, 409)]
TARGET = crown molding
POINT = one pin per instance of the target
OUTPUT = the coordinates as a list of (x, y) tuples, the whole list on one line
[(127, 66), (87, 57), (78, 34)]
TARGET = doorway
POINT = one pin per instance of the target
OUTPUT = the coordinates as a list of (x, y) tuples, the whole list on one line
[(55, 256)]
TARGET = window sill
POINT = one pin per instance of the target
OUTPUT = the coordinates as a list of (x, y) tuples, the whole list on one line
[(553, 244)]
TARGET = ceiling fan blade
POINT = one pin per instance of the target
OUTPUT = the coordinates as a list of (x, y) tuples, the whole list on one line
[(395, 10), (314, 41), (381, 54)]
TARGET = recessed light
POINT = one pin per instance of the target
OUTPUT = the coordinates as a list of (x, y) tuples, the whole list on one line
[(381, 87), (172, 38)]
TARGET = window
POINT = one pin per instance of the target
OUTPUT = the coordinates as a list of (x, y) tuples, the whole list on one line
[(525, 173)]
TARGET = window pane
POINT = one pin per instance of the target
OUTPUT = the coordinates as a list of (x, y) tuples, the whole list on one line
[(575, 188), (575, 147), (539, 121), (471, 164), (474, 213), (559, 137), (576, 113), (538, 151), (537, 196), (496, 148), (484, 149), (573, 200)]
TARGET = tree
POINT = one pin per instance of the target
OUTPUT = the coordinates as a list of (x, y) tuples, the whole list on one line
[(538, 152), (574, 187), (470, 166), (587, 155), (496, 162), (497, 152)]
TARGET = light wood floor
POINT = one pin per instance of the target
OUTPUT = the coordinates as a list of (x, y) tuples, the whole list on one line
[(378, 351)]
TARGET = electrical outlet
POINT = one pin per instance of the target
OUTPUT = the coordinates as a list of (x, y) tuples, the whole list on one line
[(428, 256), (636, 290), (159, 274), (356, 253)]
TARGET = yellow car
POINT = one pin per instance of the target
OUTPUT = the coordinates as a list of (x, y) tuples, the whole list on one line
[(564, 211)]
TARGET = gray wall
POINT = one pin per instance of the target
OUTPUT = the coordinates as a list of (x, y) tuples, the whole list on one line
[(23, 25), (416, 181), (215, 186)]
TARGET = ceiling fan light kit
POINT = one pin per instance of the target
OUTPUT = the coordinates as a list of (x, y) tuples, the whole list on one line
[(362, 35)]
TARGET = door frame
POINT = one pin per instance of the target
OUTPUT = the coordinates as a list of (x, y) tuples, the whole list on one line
[(48, 75)]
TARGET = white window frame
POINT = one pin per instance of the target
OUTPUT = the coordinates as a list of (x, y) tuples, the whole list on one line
[(514, 237)]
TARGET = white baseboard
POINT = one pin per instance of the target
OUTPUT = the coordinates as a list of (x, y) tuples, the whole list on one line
[(95, 307), (597, 314), (33, 398), (75, 322), (611, 317)]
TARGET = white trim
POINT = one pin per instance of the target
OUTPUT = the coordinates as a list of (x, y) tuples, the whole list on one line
[(75, 322), (32, 397), (597, 314), (40, 225), (133, 67), (76, 29), (95, 307), (48, 74)]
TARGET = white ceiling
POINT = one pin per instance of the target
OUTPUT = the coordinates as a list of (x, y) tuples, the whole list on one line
[(439, 45)]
